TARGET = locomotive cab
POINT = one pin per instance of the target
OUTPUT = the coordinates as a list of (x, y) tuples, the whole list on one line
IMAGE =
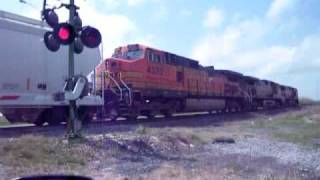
[(125, 58)]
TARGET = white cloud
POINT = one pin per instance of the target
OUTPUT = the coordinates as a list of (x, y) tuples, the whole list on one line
[(278, 7), (222, 49), (113, 4), (226, 53), (135, 2), (115, 28), (307, 58), (148, 40), (243, 45), (109, 4), (213, 18)]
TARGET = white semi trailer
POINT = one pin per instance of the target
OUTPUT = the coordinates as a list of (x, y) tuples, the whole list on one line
[(31, 75)]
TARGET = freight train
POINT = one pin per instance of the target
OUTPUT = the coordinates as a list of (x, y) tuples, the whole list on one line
[(136, 80), (140, 80)]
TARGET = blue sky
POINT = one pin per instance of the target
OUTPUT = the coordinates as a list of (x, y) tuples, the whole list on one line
[(270, 39)]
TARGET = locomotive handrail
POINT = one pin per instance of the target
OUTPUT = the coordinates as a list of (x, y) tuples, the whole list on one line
[(129, 90), (248, 96), (117, 84)]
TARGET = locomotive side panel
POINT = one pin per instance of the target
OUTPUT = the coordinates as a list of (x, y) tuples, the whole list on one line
[(216, 86), (264, 89)]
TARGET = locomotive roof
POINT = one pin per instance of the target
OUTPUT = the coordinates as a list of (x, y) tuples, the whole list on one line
[(171, 58), (210, 70), (229, 73), (174, 59), (250, 78)]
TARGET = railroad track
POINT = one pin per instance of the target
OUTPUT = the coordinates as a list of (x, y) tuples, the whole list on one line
[(103, 126)]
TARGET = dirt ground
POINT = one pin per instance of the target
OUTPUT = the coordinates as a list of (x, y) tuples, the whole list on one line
[(275, 144)]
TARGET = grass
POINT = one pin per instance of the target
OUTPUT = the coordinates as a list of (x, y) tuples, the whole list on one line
[(3, 121), (307, 101), (38, 151), (302, 129)]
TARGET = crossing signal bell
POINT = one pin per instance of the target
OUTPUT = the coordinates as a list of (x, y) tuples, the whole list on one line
[(65, 33)]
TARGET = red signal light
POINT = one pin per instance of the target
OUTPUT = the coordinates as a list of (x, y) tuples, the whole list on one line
[(90, 37), (64, 33)]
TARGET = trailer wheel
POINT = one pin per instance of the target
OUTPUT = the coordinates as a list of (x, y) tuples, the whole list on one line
[(167, 113), (53, 122), (54, 116), (131, 117), (40, 120), (150, 114)]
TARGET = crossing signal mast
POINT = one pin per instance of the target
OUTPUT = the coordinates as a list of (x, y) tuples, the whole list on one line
[(73, 34)]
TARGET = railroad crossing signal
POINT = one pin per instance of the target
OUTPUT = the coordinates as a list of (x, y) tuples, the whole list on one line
[(67, 34), (73, 34)]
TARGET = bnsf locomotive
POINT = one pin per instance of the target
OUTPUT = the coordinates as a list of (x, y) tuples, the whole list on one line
[(139, 80)]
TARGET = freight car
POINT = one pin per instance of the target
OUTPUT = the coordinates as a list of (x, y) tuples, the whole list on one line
[(140, 80), (31, 75)]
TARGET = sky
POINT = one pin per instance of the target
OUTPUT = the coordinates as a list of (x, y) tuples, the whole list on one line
[(277, 40)]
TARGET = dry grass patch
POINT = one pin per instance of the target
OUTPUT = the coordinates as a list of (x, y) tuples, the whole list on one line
[(172, 171), (39, 151), (197, 136), (300, 128), (3, 121)]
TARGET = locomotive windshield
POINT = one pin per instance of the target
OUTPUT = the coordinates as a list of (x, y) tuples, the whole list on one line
[(129, 55)]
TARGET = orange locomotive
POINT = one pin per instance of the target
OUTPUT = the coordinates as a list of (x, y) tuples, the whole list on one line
[(139, 80)]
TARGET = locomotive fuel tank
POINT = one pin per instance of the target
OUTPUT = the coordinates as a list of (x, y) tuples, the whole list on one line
[(204, 104)]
